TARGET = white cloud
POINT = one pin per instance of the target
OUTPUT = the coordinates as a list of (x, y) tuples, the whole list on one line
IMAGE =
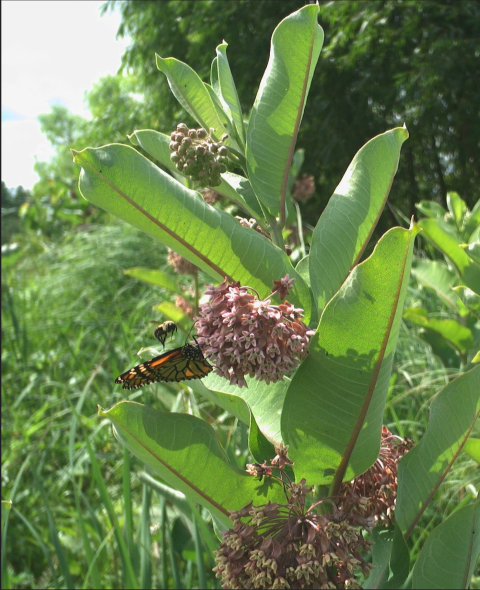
[(52, 53)]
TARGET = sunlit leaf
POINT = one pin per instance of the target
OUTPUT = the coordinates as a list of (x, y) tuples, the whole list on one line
[(346, 224)]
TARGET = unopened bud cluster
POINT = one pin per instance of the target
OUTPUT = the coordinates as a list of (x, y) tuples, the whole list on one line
[(197, 155)]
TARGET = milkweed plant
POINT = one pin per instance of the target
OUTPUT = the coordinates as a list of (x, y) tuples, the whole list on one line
[(301, 339)]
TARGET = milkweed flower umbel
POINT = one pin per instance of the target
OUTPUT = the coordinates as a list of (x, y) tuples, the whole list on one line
[(292, 546), (376, 489), (244, 335)]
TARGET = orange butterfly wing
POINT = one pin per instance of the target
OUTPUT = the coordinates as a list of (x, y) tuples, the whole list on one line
[(179, 364)]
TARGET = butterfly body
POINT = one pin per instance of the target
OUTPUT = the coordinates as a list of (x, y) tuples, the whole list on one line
[(180, 364)]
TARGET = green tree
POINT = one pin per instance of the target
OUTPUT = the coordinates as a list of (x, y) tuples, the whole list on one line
[(386, 63), (116, 111), (12, 200)]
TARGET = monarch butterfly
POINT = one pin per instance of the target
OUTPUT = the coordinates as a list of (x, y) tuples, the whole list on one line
[(180, 364), (163, 330)]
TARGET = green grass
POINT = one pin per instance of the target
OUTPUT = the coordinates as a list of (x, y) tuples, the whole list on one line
[(84, 512), (81, 516)]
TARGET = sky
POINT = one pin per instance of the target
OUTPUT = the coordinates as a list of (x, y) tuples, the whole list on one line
[(52, 53)]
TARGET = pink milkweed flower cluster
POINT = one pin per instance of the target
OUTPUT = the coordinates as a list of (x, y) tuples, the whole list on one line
[(244, 335)]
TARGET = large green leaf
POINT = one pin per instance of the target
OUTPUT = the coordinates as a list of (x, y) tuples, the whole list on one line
[(122, 181), (279, 105), (450, 554), (346, 224), (184, 451), (333, 409), (422, 470), (450, 245)]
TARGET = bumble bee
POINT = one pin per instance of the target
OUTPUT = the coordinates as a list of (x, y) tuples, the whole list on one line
[(163, 330)]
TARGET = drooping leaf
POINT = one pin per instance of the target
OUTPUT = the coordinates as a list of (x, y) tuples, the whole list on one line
[(184, 451), (170, 311), (450, 245), (437, 276), (431, 209), (457, 335), (122, 181), (154, 277)]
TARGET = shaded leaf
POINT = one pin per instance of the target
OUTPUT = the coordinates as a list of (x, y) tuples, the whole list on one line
[(154, 277), (451, 552), (391, 558), (421, 471)]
